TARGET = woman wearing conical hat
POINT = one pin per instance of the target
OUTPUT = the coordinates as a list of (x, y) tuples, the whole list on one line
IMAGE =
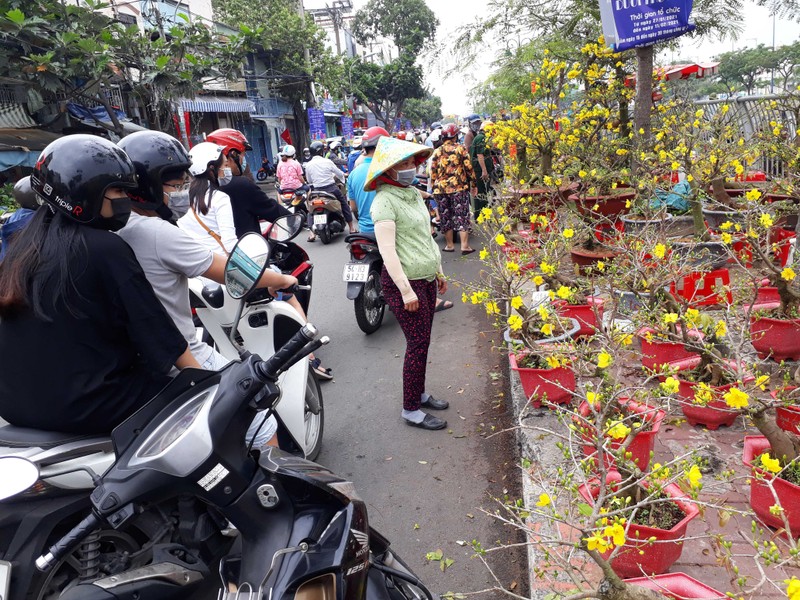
[(412, 272)]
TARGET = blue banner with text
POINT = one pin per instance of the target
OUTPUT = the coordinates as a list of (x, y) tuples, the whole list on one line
[(634, 23)]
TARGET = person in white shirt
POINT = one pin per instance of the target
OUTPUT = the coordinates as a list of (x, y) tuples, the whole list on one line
[(322, 173), (210, 216)]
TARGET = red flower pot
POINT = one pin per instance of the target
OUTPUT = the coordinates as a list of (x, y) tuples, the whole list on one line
[(638, 555), (607, 206), (787, 417), (584, 314), (656, 352), (678, 586), (712, 415), (767, 298), (556, 385), (643, 442), (778, 339), (761, 497), (589, 258)]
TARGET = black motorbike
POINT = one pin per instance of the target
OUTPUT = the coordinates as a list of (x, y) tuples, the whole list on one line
[(363, 277), (186, 498), (267, 169), (326, 214), (295, 201)]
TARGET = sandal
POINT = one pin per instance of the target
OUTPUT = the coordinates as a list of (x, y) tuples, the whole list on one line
[(443, 305), (319, 370), (311, 238)]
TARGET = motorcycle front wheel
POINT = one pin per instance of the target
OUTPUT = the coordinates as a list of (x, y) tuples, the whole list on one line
[(261, 175), (314, 417), (369, 304)]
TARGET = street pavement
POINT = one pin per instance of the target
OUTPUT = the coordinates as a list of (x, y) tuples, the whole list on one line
[(425, 490)]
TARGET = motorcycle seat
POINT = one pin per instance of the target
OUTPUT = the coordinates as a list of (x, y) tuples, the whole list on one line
[(24, 437), (360, 236), (321, 194)]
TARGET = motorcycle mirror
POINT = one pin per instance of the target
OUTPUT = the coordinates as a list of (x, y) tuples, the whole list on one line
[(246, 265), (17, 474), (286, 227)]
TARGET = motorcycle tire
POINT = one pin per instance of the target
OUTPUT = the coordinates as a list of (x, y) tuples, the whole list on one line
[(369, 304), (325, 236), (261, 175), (314, 423)]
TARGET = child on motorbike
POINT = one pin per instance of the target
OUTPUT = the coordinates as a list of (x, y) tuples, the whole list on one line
[(85, 342)]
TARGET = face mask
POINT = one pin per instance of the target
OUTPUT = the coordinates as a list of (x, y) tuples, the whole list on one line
[(475, 127), (121, 208), (178, 203), (406, 176), (226, 177), (243, 163)]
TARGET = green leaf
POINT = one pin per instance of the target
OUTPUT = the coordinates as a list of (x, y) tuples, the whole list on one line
[(16, 16), (162, 61), (446, 563), (183, 16), (585, 509), (437, 555)]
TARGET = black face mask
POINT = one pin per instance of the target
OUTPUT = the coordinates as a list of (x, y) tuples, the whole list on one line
[(121, 208)]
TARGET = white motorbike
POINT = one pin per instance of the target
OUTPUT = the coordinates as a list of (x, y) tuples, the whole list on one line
[(264, 325)]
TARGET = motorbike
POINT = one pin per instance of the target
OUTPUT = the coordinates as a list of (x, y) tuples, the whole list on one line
[(363, 277), (267, 170), (264, 326), (326, 211), (293, 200), (298, 530)]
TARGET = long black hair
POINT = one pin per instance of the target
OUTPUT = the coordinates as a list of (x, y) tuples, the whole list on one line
[(205, 185), (39, 259)]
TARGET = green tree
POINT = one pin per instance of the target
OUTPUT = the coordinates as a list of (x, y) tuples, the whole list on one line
[(410, 24), (787, 64), (296, 50), (423, 110), (78, 52), (741, 69)]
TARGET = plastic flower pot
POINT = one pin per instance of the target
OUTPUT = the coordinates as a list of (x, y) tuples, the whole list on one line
[(643, 442), (778, 339), (761, 496), (701, 255), (639, 555), (657, 352), (767, 298), (610, 205), (584, 314), (567, 335), (678, 586), (634, 225), (554, 385), (587, 259), (712, 415)]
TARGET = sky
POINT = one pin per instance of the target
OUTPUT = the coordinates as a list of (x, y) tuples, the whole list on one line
[(454, 90)]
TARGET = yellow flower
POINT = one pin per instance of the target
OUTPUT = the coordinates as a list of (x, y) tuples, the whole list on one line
[(793, 584), (675, 165), (670, 318), (601, 266), (736, 398), (762, 381), (547, 268), (703, 394), (726, 225), (766, 218), (512, 266), (500, 239), (694, 475), (581, 173), (543, 312), (604, 359), (617, 534), (596, 542), (493, 309), (787, 274), (544, 500), (538, 280), (699, 113), (721, 329), (568, 233), (515, 322), (516, 302), (547, 329), (659, 250), (552, 362), (627, 339), (726, 238), (670, 385), (753, 195), (692, 316), (464, 297), (484, 254), (618, 430), (591, 398), (564, 292), (739, 169), (773, 465)]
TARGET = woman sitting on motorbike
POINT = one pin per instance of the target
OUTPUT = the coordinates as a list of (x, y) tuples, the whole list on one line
[(84, 341)]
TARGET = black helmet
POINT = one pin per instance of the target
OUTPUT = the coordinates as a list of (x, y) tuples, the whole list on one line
[(153, 153), (24, 194), (74, 172), (316, 148)]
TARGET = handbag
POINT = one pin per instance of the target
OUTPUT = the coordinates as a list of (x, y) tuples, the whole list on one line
[(213, 234)]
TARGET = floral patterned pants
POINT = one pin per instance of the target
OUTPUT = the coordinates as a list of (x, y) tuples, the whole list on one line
[(416, 327), (454, 211)]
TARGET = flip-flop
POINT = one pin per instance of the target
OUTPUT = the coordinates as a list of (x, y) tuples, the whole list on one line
[(465, 252), (312, 238), (448, 249), (443, 305)]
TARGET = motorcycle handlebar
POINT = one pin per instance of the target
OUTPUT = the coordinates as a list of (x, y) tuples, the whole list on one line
[(269, 370), (68, 543)]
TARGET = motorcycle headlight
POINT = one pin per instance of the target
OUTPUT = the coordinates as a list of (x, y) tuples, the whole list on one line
[(175, 427)]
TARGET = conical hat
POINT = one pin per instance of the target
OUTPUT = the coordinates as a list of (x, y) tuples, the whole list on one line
[(388, 153)]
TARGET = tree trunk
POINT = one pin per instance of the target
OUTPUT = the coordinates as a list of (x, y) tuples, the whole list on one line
[(631, 592), (300, 118), (644, 94), (698, 220), (784, 446)]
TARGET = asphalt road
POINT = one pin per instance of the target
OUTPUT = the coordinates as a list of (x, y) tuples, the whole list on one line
[(425, 490)]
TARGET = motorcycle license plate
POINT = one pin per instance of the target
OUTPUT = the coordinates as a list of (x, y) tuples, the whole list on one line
[(355, 272), (320, 219)]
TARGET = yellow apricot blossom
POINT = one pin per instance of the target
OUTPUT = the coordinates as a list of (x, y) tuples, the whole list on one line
[(773, 465), (736, 398)]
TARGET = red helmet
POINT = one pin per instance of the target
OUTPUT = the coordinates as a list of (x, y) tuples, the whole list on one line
[(450, 131), (372, 135), (229, 139), (401, 135)]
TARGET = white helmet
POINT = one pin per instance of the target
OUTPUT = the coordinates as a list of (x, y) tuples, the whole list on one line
[(288, 150), (202, 155), (435, 135), (334, 144)]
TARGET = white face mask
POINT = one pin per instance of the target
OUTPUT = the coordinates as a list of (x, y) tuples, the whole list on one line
[(226, 177), (178, 203), (406, 176)]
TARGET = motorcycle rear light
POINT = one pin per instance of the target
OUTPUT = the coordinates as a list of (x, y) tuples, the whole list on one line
[(357, 251), (318, 202)]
